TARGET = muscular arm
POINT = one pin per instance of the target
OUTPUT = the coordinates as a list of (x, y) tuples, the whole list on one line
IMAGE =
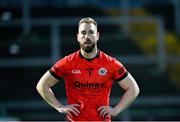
[(131, 89), (44, 88)]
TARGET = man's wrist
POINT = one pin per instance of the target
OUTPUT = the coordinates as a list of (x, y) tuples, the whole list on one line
[(116, 111), (59, 108)]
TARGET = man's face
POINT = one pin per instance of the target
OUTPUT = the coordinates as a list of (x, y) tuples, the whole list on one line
[(87, 36)]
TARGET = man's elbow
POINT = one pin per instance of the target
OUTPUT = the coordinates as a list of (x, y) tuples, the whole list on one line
[(39, 87), (136, 91)]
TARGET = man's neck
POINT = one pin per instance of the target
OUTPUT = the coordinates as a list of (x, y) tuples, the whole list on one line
[(89, 55)]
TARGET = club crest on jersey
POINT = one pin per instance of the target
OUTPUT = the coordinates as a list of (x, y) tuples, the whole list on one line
[(102, 71)]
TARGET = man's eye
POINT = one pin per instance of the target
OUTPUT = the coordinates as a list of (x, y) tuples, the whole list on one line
[(91, 32), (83, 33)]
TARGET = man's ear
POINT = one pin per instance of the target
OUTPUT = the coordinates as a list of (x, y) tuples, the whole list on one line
[(77, 36), (98, 34)]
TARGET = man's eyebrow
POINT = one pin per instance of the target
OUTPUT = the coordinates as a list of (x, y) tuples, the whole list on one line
[(83, 31)]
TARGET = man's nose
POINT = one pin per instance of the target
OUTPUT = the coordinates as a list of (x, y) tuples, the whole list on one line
[(86, 36)]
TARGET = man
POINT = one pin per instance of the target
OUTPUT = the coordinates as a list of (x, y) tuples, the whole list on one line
[(88, 74)]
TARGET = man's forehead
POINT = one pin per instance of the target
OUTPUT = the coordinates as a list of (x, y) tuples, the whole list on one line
[(87, 26)]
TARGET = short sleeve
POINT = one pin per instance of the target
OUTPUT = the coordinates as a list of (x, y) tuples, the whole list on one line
[(58, 70), (119, 71)]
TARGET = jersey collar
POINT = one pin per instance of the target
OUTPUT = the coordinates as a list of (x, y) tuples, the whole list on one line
[(97, 55)]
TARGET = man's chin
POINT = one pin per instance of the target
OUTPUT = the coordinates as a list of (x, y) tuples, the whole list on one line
[(88, 49)]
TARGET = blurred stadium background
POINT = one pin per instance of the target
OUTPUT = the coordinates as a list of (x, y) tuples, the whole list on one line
[(143, 34)]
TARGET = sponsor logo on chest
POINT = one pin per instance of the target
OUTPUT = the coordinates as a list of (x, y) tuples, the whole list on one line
[(88, 85)]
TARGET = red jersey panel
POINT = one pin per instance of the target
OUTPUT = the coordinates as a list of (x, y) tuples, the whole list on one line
[(88, 82)]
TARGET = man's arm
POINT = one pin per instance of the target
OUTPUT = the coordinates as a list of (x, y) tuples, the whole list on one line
[(131, 89), (44, 88)]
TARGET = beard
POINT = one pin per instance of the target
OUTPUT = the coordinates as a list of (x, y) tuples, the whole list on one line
[(87, 46)]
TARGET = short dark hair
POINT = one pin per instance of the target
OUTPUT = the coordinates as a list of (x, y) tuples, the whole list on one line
[(88, 20)]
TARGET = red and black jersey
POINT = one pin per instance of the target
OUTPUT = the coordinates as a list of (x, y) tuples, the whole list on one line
[(88, 82)]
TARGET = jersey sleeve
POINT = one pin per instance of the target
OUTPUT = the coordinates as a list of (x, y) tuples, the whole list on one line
[(58, 70), (119, 71)]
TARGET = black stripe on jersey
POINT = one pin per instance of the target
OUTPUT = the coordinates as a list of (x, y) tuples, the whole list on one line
[(123, 76), (54, 74)]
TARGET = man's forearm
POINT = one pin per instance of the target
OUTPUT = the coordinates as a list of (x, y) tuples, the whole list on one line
[(126, 100), (48, 96), (131, 89)]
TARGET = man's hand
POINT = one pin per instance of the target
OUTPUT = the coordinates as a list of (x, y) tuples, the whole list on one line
[(69, 109), (106, 111)]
